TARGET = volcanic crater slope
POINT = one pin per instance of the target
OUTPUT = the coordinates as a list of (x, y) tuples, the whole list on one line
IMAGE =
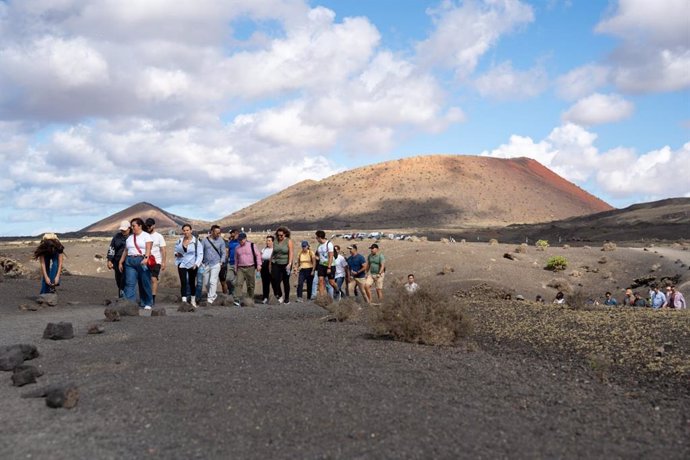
[(448, 191), (164, 220)]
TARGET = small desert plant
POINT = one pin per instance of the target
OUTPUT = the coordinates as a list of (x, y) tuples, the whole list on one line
[(493, 242), (346, 310), (560, 284), (323, 300), (609, 246), (556, 263), (429, 316), (522, 249), (541, 245)]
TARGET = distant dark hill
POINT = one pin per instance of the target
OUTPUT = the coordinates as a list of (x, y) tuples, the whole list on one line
[(667, 219), (164, 220), (436, 191)]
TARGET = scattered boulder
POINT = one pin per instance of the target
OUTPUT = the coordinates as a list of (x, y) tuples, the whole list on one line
[(59, 331), (446, 270), (186, 308), (509, 256), (655, 267), (126, 307), (49, 299), (24, 375), (10, 359), (576, 273), (158, 311), (96, 329), (59, 395), (111, 315), (603, 260)]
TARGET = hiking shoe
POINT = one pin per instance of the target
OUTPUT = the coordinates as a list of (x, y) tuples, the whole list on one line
[(184, 299), (193, 302), (280, 299), (147, 307), (236, 303), (299, 300), (265, 301), (287, 302)]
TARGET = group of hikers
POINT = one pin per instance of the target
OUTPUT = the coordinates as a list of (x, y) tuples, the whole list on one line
[(137, 256)]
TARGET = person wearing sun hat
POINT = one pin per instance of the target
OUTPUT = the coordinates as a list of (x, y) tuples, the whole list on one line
[(115, 250), (50, 253)]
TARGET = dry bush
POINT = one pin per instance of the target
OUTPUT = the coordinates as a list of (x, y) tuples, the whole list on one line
[(493, 242), (522, 249), (609, 246), (579, 300), (323, 300), (560, 284), (346, 310), (13, 269), (429, 316)]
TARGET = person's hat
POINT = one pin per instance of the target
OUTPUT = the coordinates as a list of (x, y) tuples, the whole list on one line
[(305, 244), (354, 246), (374, 246), (50, 236), (519, 297), (150, 222), (242, 236), (124, 225)]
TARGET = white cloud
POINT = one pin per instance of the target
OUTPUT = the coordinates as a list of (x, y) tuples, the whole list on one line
[(569, 150), (582, 81), (655, 50), (599, 108), (505, 83), (463, 34)]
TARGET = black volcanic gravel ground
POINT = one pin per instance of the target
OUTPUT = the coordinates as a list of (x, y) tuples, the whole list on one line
[(277, 382)]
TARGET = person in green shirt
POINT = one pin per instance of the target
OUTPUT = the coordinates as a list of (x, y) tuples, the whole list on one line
[(376, 263)]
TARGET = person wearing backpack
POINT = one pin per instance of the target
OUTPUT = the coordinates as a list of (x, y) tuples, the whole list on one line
[(214, 256), (325, 268), (247, 259)]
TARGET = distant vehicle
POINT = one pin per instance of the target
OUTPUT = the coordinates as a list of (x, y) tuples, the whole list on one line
[(373, 235)]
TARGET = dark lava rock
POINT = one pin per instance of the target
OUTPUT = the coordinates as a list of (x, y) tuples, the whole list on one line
[(111, 314), (126, 307), (58, 331), (58, 395), (186, 308), (50, 299), (10, 359), (158, 311), (23, 375), (95, 329), (508, 256)]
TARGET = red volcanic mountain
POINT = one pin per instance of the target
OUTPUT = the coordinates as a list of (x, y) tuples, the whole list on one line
[(442, 191)]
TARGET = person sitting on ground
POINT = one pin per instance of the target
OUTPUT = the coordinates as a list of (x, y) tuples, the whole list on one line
[(658, 298), (675, 299), (50, 253), (629, 299), (560, 298), (411, 286), (610, 301), (639, 300)]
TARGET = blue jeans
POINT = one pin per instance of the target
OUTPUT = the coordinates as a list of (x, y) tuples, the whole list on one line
[(137, 273), (305, 276), (339, 283), (51, 264)]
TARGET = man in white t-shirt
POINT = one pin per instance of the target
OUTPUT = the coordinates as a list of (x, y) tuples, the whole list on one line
[(411, 285), (158, 251), (325, 267)]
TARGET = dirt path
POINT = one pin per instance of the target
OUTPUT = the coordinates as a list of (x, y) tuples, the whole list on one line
[(278, 382)]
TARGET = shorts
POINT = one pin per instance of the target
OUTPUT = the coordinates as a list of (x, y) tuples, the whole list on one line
[(323, 272), (378, 280), (363, 281), (155, 271)]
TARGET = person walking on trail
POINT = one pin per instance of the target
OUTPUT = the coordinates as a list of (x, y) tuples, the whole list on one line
[(231, 274), (675, 299), (214, 256), (358, 272), (341, 272), (50, 254), (377, 269), (115, 250), (134, 263), (266, 254), (658, 298), (188, 257), (281, 265), (325, 267), (306, 266), (247, 261), (158, 252)]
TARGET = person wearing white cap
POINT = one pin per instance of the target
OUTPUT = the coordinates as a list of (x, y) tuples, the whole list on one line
[(115, 250)]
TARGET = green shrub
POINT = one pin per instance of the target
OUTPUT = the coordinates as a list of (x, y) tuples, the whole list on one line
[(556, 263), (541, 245)]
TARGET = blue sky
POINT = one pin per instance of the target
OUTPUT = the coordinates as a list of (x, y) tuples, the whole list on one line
[(203, 107)]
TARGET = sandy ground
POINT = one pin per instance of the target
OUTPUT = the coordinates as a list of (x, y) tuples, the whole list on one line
[(278, 381)]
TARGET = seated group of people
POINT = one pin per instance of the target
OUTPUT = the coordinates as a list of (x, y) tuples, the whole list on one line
[(673, 299)]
